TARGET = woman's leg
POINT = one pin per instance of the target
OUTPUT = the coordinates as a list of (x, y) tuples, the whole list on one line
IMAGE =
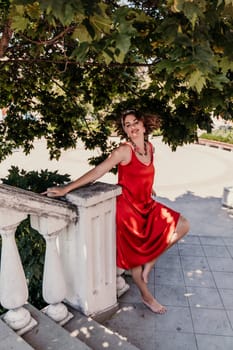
[(147, 297), (182, 229), (147, 269)]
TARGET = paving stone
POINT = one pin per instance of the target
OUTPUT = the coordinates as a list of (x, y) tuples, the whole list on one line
[(230, 315), (227, 297), (174, 341), (221, 264), (169, 261), (193, 263), (228, 241), (189, 239), (212, 342), (208, 240), (204, 297), (191, 250), (223, 279), (133, 316), (172, 250), (211, 321), (171, 295), (133, 294), (143, 338), (216, 251), (171, 276), (230, 249), (176, 319), (199, 278)]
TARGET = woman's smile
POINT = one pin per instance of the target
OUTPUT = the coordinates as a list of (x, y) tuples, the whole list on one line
[(133, 126)]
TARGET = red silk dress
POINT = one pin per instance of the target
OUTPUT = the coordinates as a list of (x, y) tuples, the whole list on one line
[(144, 226)]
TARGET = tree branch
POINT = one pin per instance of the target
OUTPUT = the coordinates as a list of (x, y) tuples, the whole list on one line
[(69, 29), (6, 36), (87, 63)]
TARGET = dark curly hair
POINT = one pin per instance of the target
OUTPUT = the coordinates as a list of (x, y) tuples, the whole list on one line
[(151, 122)]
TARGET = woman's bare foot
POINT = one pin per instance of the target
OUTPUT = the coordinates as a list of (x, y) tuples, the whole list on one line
[(155, 306)]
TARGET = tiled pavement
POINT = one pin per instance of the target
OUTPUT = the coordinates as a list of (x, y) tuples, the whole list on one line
[(194, 279)]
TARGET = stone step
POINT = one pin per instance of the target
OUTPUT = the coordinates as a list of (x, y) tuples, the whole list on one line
[(95, 335), (48, 335), (9, 340)]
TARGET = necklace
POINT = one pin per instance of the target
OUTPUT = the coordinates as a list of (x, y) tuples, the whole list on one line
[(136, 149)]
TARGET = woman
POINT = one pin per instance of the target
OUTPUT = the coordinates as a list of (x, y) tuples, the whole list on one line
[(145, 228)]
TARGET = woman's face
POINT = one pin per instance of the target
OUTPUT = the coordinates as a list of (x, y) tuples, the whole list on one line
[(133, 127)]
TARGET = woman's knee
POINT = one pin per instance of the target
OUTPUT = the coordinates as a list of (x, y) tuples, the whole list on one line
[(183, 226)]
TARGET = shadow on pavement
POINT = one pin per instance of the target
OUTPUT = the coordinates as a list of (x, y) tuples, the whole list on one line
[(206, 215)]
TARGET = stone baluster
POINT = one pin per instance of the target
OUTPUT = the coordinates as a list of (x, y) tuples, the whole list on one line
[(13, 286), (54, 284), (121, 285)]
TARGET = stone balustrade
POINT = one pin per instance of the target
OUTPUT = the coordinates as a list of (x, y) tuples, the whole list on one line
[(80, 264), (49, 217)]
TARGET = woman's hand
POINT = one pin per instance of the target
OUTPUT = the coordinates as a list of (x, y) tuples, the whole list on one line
[(153, 193), (55, 192)]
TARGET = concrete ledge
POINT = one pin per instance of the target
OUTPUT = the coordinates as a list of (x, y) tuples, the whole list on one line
[(33, 203), (96, 336), (48, 335), (10, 340), (92, 194)]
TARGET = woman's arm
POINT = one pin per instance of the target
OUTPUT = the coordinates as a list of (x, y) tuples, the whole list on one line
[(120, 154)]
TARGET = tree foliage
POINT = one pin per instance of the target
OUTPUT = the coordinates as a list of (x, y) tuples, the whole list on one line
[(69, 67)]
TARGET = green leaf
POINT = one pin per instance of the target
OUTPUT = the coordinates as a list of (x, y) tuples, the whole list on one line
[(102, 21), (108, 58), (197, 81), (192, 11), (125, 18), (62, 10), (122, 44), (101, 24), (19, 22), (81, 33), (168, 65), (225, 64), (81, 52)]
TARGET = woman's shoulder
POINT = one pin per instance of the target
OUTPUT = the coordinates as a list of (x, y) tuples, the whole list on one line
[(122, 148), (125, 146), (125, 149)]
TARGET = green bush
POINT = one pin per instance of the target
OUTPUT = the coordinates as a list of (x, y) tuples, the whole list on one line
[(221, 135), (30, 243)]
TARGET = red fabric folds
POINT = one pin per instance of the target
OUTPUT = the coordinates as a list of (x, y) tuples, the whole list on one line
[(144, 226)]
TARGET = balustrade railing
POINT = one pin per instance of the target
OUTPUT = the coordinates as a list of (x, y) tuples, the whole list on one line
[(79, 265), (49, 217)]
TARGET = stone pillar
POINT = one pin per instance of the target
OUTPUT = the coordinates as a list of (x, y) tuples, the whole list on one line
[(227, 198), (89, 250), (54, 284), (13, 286)]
